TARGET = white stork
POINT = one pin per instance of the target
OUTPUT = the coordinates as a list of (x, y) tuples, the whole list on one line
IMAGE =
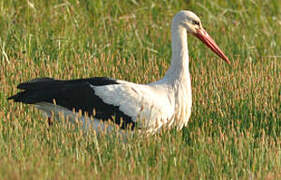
[(166, 102)]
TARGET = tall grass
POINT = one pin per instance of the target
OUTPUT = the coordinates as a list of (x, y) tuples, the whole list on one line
[(235, 127)]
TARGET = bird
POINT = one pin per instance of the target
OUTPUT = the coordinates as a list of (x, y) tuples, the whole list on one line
[(126, 105)]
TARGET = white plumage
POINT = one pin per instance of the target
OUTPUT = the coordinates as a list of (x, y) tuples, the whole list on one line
[(149, 103), (166, 102)]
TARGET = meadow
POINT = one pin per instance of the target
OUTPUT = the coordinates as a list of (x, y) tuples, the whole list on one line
[(235, 127)]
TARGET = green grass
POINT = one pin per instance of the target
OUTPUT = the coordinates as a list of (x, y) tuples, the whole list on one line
[(235, 127)]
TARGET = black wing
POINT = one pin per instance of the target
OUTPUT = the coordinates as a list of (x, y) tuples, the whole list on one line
[(73, 95)]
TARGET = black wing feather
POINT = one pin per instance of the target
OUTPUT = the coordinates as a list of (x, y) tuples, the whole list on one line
[(73, 95)]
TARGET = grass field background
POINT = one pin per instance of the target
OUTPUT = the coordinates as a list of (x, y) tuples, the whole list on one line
[(235, 127)]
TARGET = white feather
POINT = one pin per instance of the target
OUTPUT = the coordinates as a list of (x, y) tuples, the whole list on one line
[(148, 105), (52, 110)]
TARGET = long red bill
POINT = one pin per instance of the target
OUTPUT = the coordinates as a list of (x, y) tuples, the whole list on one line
[(205, 38)]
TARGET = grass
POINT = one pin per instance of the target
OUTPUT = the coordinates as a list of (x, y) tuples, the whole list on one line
[(235, 127)]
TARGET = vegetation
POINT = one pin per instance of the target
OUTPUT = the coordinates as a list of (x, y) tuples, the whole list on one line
[(235, 127)]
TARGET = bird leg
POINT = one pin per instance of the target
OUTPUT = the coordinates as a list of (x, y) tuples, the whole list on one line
[(50, 121)]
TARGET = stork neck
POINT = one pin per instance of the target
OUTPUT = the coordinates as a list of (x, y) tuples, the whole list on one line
[(180, 61)]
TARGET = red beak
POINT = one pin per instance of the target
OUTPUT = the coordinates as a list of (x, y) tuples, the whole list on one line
[(206, 39)]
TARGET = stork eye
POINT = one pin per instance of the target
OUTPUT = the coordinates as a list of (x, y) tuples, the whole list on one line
[(194, 22)]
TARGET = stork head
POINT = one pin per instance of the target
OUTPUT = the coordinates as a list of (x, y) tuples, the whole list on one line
[(192, 24)]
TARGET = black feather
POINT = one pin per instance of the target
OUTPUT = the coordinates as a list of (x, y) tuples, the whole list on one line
[(73, 95)]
